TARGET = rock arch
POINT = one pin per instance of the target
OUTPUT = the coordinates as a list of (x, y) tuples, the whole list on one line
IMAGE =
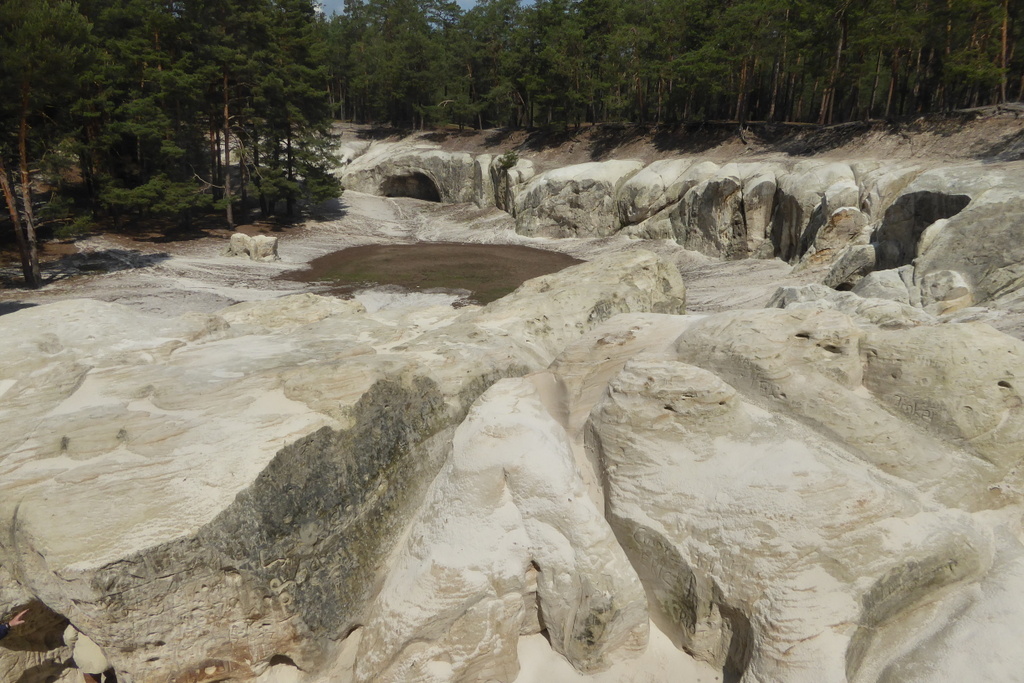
[(414, 184)]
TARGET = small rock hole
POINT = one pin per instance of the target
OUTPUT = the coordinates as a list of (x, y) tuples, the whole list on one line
[(1004, 384)]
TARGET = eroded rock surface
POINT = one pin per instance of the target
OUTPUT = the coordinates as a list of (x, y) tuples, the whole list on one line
[(302, 491), (858, 217), (209, 496)]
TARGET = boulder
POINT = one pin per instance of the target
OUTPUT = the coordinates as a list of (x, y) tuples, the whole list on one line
[(719, 211), (852, 265), (882, 311), (844, 226), (884, 284), (575, 201), (880, 184), (709, 219), (945, 291), (655, 192), (255, 248), (653, 188)]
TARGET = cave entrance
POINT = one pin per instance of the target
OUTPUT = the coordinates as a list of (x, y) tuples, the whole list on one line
[(415, 185)]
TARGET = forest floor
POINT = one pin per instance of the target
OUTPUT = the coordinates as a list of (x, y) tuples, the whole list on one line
[(168, 273), (989, 134)]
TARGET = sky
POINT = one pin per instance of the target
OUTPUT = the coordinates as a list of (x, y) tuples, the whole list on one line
[(337, 5)]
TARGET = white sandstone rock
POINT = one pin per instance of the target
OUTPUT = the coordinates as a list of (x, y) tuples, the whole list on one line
[(483, 184), (884, 284), (573, 201), (652, 189), (721, 507), (884, 312), (799, 199), (507, 181), (420, 171), (507, 543), (844, 226), (256, 247), (945, 291), (210, 497)]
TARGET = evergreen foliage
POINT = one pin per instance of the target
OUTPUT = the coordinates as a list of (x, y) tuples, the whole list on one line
[(504, 63), (167, 107), (175, 107)]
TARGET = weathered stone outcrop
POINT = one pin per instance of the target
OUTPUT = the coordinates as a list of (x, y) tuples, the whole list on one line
[(210, 496), (716, 459), (395, 170), (720, 506), (574, 201), (658, 186), (508, 543), (805, 194), (858, 217), (507, 180), (886, 312), (720, 211)]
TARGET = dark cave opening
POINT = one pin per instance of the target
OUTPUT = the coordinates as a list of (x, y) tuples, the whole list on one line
[(415, 185)]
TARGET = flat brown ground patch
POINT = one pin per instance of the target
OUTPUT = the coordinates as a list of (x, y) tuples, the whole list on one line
[(487, 271)]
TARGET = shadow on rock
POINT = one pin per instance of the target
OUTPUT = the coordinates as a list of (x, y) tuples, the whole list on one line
[(105, 261), (330, 210), (12, 306)]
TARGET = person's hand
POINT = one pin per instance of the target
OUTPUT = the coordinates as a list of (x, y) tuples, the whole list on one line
[(18, 620)]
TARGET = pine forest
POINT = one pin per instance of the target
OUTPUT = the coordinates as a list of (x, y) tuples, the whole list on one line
[(178, 108)]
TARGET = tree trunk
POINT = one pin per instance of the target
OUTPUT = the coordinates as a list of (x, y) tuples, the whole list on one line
[(227, 155), (828, 98), (1003, 53), (874, 85), (893, 77), (29, 260), (290, 199), (30, 255), (741, 96)]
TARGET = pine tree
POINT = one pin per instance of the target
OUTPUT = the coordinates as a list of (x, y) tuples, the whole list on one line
[(43, 46)]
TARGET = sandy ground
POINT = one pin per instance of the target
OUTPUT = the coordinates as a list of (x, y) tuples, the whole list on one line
[(990, 134), (661, 663)]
